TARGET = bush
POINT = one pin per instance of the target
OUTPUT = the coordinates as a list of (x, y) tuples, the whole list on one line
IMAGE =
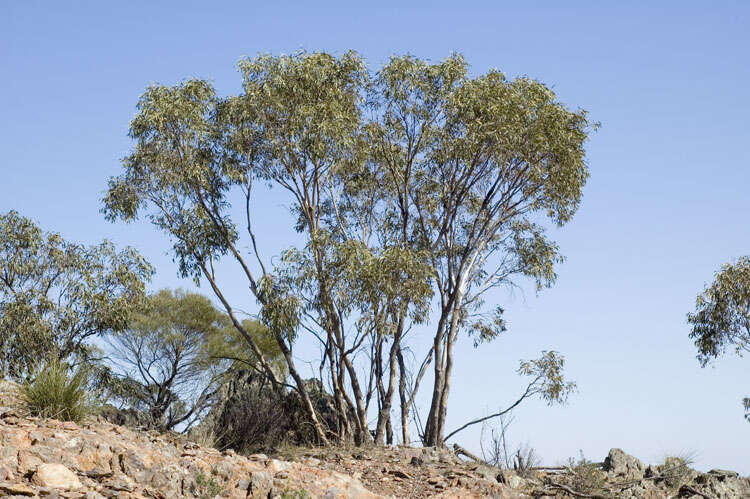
[(206, 487), (56, 394), (587, 476), (251, 417), (676, 469)]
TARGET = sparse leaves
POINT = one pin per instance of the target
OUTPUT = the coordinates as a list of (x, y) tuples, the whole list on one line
[(547, 377)]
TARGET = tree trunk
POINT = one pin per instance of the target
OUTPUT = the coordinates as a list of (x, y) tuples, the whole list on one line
[(403, 399), (384, 417), (430, 437)]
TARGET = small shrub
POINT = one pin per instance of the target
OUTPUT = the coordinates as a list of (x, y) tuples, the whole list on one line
[(525, 460), (676, 470), (56, 394), (587, 476), (207, 487)]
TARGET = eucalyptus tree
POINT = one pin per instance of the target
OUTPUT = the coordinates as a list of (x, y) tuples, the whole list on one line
[(474, 166), (721, 319), (56, 295), (412, 185)]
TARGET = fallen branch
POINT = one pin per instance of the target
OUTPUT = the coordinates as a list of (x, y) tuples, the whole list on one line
[(461, 451)]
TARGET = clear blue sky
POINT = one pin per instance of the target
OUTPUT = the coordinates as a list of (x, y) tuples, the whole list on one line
[(666, 205)]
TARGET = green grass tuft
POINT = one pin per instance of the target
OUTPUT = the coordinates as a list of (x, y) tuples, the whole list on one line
[(56, 394)]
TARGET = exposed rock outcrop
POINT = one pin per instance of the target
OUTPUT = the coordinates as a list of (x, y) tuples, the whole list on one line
[(99, 459), (622, 465)]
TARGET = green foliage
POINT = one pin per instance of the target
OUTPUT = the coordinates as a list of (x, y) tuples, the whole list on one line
[(295, 494), (446, 169), (207, 486), (547, 377), (54, 393), (722, 313), (54, 295), (227, 344), (722, 316)]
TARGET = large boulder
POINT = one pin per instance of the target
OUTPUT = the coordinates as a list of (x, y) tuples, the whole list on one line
[(620, 464)]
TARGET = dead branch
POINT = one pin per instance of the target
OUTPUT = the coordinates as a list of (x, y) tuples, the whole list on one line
[(461, 451)]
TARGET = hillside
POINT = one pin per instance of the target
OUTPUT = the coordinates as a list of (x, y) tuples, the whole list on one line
[(50, 458)]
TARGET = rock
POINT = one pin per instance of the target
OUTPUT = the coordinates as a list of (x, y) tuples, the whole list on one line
[(720, 484), (15, 489), (724, 473), (56, 476), (125, 417), (651, 471), (511, 479), (400, 474), (260, 484), (620, 464), (9, 395)]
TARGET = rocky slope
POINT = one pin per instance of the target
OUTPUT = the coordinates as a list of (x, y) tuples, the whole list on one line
[(98, 459), (94, 459)]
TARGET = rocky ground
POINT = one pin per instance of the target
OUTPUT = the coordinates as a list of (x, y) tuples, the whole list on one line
[(419, 472), (50, 458)]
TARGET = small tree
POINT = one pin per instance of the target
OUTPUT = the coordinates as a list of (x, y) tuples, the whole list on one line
[(167, 359), (55, 295), (722, 316)]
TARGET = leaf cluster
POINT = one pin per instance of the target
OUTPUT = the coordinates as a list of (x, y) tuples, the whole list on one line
[(722, 313)]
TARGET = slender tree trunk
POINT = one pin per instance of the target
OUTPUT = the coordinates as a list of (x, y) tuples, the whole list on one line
[(443, 368), (344, 425), (430, 437), (384, 417), (403, 398), (389, 431), (364, 432)]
